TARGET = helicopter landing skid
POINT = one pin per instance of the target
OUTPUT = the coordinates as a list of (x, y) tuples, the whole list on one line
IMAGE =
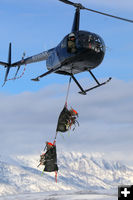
[(83, 92)]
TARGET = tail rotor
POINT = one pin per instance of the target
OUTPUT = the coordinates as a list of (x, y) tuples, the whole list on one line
[(8, 66)]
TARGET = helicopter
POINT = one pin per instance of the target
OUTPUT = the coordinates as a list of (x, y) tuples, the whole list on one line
[(79, 51)]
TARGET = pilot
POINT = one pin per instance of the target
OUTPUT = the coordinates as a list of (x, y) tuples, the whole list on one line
[(71, 43), (91, 42)]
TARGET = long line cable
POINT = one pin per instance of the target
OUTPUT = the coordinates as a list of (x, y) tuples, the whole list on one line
[(68, 89)]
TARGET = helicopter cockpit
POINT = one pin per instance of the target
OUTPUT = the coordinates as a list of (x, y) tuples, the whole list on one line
[(83, 40), (87, 40)]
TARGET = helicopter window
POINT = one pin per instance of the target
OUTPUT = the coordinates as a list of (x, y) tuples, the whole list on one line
[(82, 40), (90, 41), (64, 43), (95, 43)]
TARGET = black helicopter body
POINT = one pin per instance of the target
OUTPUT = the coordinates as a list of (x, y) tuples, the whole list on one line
[(89, 51)]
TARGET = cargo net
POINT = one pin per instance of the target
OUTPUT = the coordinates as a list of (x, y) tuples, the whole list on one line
[(49, 159), (67, 120)]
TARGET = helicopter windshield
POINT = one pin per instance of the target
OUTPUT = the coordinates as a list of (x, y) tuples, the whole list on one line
[(90, 41)]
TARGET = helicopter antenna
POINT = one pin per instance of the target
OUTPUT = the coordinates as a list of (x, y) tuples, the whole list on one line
[(80, 6)]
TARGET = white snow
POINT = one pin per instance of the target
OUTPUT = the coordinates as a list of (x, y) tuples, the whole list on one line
[(43, 196), (82, 172)]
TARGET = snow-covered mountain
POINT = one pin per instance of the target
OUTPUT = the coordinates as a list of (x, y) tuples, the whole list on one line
[(77, 172)]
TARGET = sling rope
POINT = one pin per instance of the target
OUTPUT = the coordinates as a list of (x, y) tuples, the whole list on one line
[(54, 142), (68, 91), (55, 138)]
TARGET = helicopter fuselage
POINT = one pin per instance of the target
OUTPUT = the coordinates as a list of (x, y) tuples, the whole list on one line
[(89, 53)]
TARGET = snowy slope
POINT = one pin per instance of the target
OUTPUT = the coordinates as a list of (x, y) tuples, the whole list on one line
[(77, 172), (59, 196)]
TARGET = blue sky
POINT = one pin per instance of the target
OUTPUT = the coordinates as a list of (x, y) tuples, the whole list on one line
[(29, 110), (34, 26)]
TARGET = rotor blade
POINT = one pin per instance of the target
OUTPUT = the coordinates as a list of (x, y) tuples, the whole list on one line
[(121, 18), (9, 55), (95, 11), (77, 5), (9, 64), (7, 72), (68, 2)]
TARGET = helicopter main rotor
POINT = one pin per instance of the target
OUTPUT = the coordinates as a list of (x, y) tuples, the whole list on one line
[(80, 6)]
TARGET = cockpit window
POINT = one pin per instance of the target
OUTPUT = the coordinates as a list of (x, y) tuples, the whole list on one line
[(64, 43), (94, 43), (81, 40), (90, 41)]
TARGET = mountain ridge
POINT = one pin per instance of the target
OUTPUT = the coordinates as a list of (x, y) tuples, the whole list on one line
[(77, 172)]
